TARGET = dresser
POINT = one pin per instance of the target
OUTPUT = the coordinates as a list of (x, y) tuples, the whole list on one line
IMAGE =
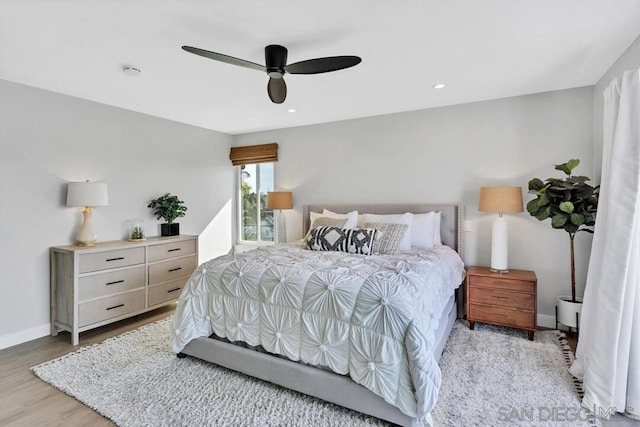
[(97, 285), (505, 299)]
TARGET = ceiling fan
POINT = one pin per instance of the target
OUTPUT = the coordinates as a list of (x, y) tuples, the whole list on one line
[(275, 57)]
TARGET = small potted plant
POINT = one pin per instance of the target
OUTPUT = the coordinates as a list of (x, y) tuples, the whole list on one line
[(169, 208), (571, 204), (136, 230)]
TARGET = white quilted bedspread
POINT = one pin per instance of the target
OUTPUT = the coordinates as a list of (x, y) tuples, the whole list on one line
[(370, 317)]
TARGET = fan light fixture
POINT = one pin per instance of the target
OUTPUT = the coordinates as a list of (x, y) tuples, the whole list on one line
[(439, 86), (276, 67)]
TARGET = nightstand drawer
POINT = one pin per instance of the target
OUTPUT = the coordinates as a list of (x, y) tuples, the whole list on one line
[(166, 292), (501, 283), (172, 250), (103, 284), (504, 316), (110, 259), (523, 301), (108, 308), (171, 270)]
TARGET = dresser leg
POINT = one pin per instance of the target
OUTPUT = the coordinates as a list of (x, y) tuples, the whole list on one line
[(530, 333), (472, 324)]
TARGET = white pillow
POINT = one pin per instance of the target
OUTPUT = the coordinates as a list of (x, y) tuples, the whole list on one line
[(423, 229), (312, 217), (405, 218), (437, 239), (352, 217)]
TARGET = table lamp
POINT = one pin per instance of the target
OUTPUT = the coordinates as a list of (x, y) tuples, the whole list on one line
[(500, 200), (280, 200), (87, 194)]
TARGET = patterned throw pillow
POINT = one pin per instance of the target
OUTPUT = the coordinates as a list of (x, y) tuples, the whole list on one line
[(325, 221), (391, 236), (351, 240)]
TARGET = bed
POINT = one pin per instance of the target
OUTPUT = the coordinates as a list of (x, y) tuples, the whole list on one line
[(388, 371)]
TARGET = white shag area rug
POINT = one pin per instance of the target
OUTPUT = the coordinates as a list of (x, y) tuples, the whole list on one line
[(491, 376)]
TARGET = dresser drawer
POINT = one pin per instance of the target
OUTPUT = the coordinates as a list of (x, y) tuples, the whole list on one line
[(502, 316), (110, 259), (103, 284), (110, 307), (171, 269), (166, 292), (519, 300), (501, 283), (171, 250)]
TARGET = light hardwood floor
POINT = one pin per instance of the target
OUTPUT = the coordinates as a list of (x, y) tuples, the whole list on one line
[(25, 400)]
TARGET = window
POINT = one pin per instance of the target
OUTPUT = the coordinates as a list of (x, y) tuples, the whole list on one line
[(256, 222)]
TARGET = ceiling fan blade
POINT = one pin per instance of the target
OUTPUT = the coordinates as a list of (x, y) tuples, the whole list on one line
[(277, 90), (224, 58), (322, 65)]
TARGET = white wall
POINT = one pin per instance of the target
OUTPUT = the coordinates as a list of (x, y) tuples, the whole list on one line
[(48, 139), (630, 59), (446, 155), (440, 155)]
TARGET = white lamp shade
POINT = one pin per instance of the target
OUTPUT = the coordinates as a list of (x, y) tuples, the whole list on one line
[(87, 194)]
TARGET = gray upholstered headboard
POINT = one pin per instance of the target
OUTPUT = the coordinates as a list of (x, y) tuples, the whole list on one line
[(450, 225)]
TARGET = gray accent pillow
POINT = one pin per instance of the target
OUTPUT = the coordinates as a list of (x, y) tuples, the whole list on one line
[(325, 221), (391, 235), (351, 240)]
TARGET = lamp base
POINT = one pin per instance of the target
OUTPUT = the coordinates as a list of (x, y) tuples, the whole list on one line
[(500, 271), (499, 245), (281, 227), (86, 243), (86, 235)]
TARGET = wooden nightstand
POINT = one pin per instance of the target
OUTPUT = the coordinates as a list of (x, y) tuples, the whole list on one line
[(507, 299)]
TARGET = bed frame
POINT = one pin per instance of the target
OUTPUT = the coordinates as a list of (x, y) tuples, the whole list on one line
[(319, 383)]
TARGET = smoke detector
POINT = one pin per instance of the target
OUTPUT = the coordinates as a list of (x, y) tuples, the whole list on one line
[(132, 71)]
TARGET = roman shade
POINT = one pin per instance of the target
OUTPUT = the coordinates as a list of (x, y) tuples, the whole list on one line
[(254, 154)]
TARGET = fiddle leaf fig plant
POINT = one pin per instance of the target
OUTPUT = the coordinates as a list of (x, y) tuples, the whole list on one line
[(168, 207), (569, 202)]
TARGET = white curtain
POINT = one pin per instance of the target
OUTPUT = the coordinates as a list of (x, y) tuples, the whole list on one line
[(608, 353)]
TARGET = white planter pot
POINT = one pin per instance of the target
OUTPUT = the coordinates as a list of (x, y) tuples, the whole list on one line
[(567, 311)]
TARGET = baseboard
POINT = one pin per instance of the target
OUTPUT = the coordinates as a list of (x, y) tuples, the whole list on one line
[(9, 340), (546, 321)]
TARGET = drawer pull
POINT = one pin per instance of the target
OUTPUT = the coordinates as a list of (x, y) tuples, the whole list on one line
[(114, 283), (115, 306), (175, 269), (502, 298), (499, 315), (173, 290), (173, 250), (120, 258)]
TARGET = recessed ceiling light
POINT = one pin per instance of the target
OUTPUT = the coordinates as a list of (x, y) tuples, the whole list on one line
[(130, 70), (291, 110), (439, 86)]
